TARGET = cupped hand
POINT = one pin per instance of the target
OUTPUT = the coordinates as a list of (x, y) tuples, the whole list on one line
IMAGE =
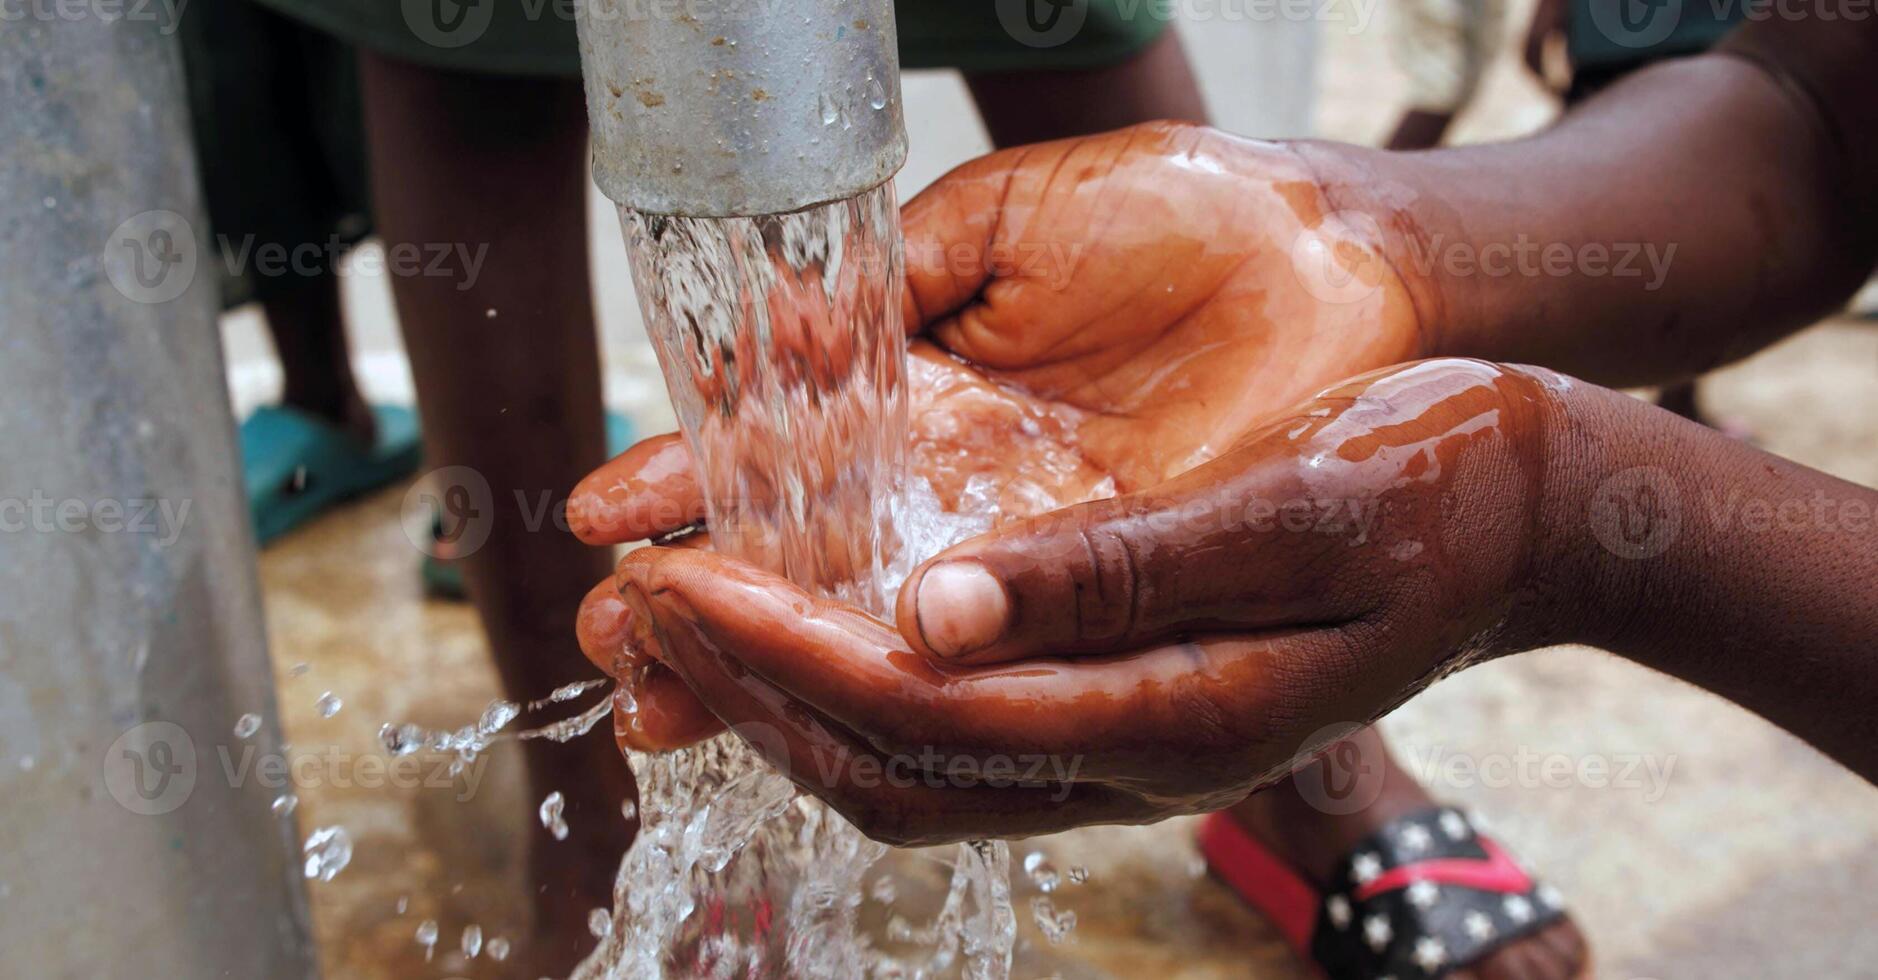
[(1101, 315), (1156, 653)]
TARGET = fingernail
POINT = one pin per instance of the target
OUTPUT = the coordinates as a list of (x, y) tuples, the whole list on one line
[(962, 608)]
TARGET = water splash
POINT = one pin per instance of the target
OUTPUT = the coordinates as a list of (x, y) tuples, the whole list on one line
[(1041, 872), (328, 850), (567, 692), (551, 815), (426, 937), (781, 344)]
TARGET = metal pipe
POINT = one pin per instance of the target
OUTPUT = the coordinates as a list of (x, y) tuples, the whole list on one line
[(130, 623), (713, 108)]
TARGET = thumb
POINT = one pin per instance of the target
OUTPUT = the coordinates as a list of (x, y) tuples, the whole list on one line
[(1205, 552)]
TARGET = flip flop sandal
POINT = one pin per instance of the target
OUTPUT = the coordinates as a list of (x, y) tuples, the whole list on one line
[(297, 465), (1420, 898), (443, 577)]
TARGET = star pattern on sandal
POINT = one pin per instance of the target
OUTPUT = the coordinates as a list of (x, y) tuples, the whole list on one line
[(1338, 908), (1365, 867), (1430, 953), (1377, 932), (1422, 896)]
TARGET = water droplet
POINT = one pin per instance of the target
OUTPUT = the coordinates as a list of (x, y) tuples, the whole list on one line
[(472, 940), (427, 937), (329, 704), (400, 740), (328, 850), (284, 804), (1041, 872), (876, 93), (629, 810), (830, 111), (247, 725), (550, 814), (1055, 925), (497, 717), (1078, 875), (498, 949), (299, 669), (404, 904), (567, 692), (600, 923)]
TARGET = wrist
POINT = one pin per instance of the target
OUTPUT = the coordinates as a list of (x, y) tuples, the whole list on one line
[(1409, 223), (1608, 515)]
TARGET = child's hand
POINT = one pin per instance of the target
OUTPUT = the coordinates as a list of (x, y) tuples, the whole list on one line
[(1162, 652)]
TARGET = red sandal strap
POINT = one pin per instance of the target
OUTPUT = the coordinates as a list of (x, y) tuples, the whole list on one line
[(1261, 878)]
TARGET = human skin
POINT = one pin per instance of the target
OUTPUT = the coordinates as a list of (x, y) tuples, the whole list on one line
[(1058, 359), (1237, 643)]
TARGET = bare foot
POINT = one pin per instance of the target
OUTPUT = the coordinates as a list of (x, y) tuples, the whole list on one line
[(1314, 841)]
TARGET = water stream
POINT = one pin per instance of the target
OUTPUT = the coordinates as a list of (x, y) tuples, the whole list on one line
[(781, 342)]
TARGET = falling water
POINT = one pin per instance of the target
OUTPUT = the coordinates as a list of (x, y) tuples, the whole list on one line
[(782, 346)]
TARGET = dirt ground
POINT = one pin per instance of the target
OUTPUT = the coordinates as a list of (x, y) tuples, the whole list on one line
[(1731, 851)]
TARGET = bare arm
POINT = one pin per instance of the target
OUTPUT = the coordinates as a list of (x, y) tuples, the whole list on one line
[(1687, 217), (1729, 567)]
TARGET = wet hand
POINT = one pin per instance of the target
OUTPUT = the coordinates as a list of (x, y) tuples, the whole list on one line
[(1162, 652)]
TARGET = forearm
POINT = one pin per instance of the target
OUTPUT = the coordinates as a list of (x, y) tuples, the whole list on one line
[(1687, 217), (1708, 559)]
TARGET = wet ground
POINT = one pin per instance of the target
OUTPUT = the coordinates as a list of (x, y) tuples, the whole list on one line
[(1694, 839)]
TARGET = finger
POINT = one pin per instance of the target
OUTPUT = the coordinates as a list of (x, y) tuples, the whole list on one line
[(890, 798), (648, 490), (653, 711), (1210, 551), (1098, 719), (948, 229)]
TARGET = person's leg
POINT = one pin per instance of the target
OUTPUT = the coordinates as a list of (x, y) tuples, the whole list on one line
[(1031, 106), (1324, 810), (1420, 129), (308, 330), (506, 358), (1443, 48)]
